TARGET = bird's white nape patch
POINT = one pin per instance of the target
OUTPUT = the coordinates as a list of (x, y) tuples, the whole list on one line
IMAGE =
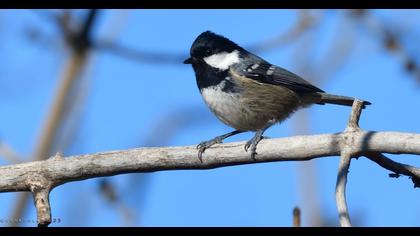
[(223, 60)]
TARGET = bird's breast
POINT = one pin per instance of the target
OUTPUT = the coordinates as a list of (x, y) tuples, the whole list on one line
[(228, 107), (248, 106)]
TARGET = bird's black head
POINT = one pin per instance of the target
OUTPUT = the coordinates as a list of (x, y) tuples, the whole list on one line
[(209, 44)]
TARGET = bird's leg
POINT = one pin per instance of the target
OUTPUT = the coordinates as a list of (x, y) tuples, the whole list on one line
[(219, 139), (257, 138)]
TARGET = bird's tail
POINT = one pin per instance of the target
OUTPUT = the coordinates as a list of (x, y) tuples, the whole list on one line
[(337, 99)]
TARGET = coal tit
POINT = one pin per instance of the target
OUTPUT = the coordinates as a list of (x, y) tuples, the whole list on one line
[(246, 92)]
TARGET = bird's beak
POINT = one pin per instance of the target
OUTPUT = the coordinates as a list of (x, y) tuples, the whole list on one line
[(188, 61)]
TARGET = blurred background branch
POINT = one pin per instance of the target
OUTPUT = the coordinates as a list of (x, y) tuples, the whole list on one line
[(391, 36), (79, 42), (9, 154), (296, 217)]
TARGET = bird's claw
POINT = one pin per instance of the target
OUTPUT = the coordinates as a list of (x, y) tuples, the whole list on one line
[(200, 154), (201, 148), (253, 145), (206, 144)]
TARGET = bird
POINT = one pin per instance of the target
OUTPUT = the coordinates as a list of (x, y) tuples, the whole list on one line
[(248, 93)]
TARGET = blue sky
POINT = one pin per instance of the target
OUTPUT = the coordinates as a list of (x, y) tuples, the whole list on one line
[(127, 101)]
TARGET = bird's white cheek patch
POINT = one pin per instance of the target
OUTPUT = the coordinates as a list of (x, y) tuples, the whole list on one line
[(222, 61)]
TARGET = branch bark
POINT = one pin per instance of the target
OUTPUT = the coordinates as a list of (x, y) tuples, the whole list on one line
[(298, 148)]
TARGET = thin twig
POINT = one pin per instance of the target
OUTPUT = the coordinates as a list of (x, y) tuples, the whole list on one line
[(343, 168), (397, 168), (340, 189), (296, 217), (42, 205), (356, 111)]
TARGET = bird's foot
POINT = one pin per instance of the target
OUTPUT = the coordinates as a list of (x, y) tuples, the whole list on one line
[(253, 144), (206, 144), (219, 139)]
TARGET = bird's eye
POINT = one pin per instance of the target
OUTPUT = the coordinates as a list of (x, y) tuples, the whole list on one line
[(208, 51)]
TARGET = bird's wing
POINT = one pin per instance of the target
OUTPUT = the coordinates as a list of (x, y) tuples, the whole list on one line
[(265, 72)]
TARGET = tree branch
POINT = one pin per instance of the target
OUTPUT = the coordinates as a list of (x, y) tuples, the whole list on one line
[(58, 170), (40, 177)]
